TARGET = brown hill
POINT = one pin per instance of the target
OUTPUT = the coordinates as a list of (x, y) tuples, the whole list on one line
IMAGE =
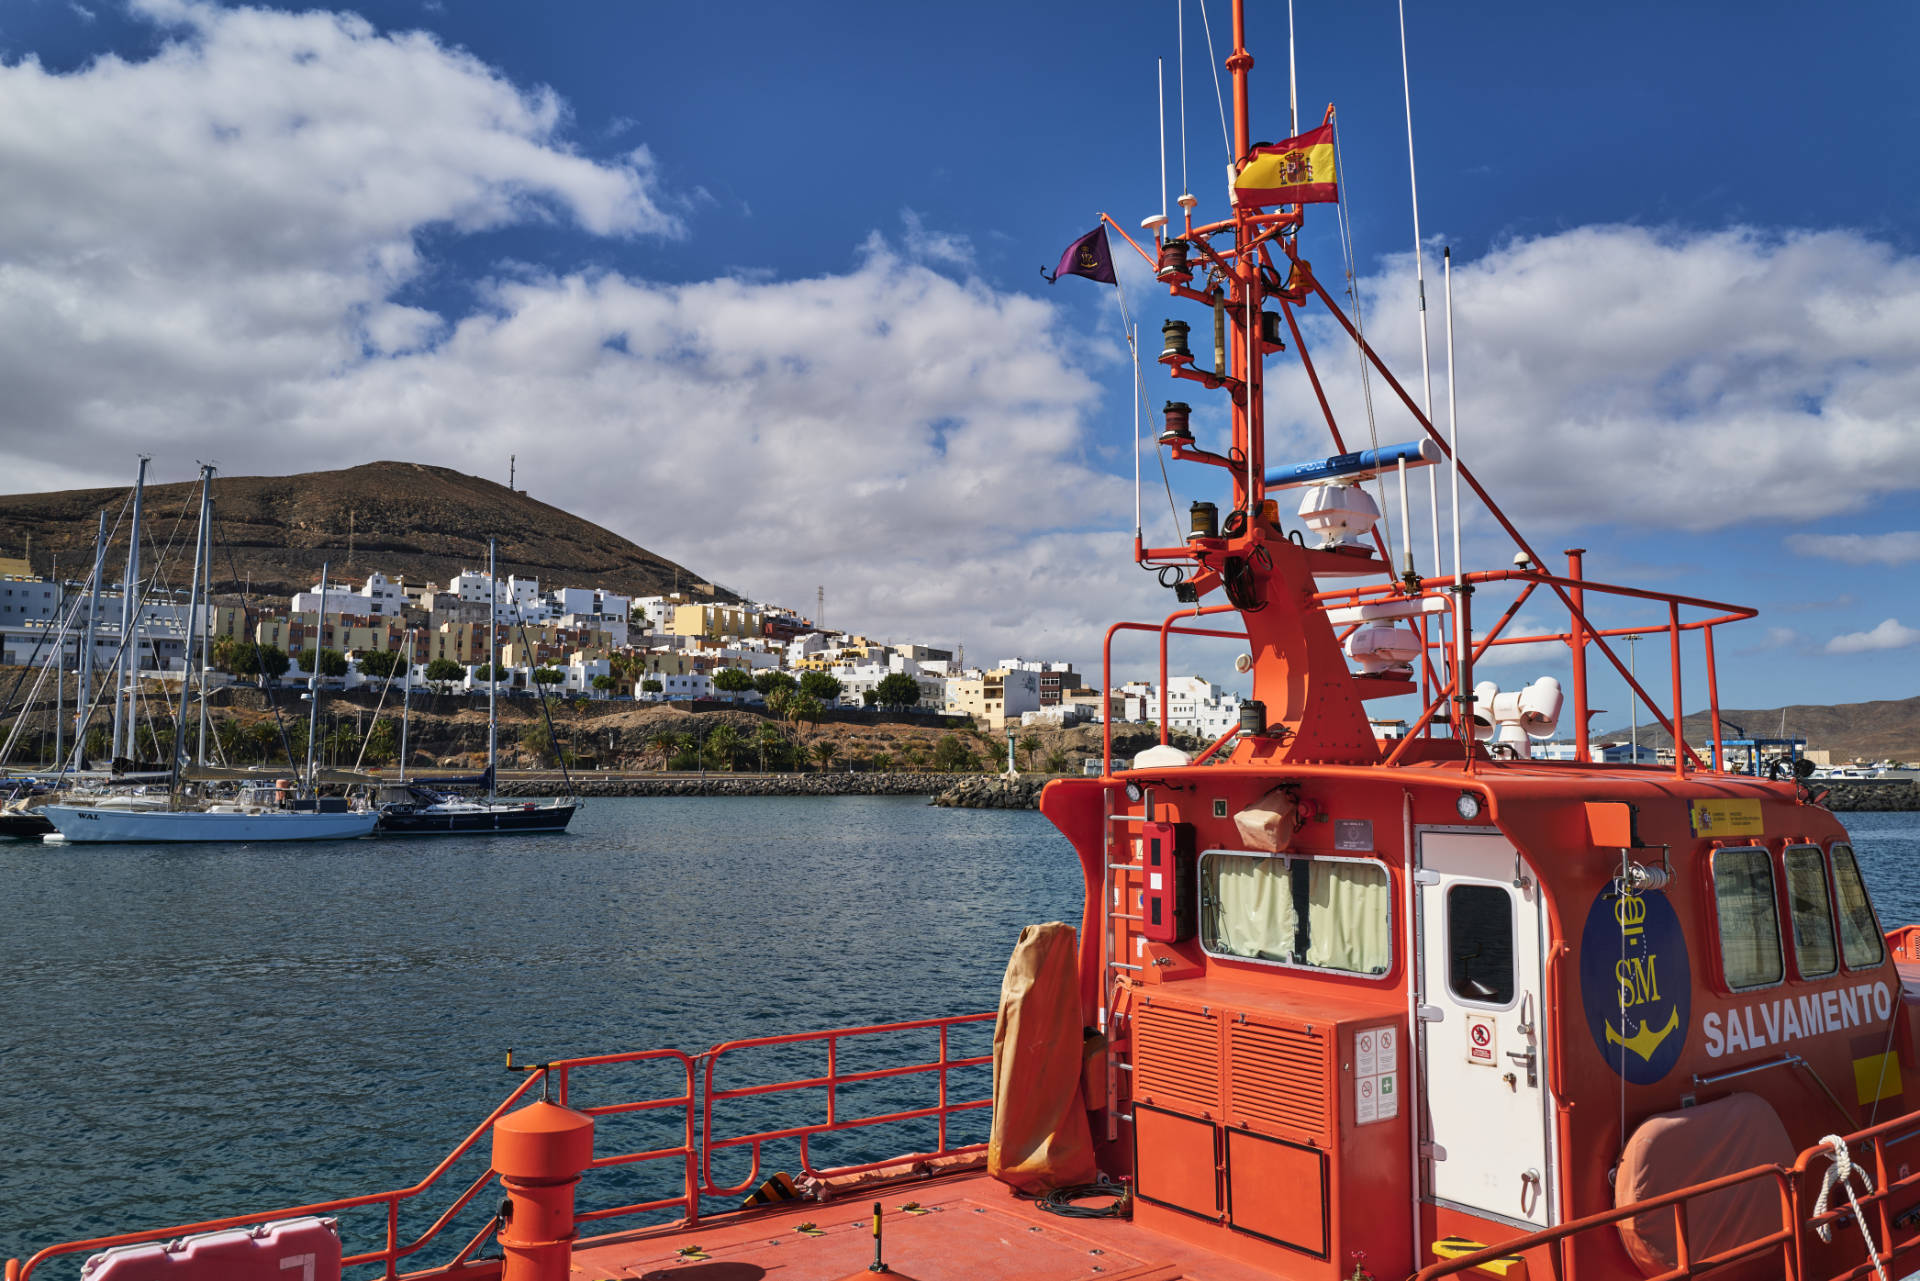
[(1887, 729), (398, 518)]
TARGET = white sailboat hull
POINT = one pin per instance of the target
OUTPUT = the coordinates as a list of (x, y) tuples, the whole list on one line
[(77, 823)]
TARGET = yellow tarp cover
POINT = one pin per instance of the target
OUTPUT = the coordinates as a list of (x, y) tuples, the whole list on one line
[(1040, 1138)]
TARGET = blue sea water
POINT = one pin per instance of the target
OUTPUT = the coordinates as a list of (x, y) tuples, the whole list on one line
[(194, 1031)]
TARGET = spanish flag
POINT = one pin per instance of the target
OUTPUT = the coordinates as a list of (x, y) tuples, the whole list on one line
[(1294, 172)]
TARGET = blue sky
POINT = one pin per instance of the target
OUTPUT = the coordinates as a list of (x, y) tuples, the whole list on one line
[(823, 226)]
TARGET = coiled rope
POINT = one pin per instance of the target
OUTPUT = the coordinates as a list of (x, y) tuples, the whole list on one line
[(1061, 1201), (1841, 1172)]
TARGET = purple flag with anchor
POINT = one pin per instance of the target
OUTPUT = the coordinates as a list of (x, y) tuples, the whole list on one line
[(1087, 256)]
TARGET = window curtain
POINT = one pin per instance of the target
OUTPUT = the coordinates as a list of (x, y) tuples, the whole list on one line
[(1253, 907), (1348, 918)]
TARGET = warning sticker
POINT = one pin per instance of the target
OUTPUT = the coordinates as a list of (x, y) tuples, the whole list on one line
[(1481, 1046), (1376, 1074)]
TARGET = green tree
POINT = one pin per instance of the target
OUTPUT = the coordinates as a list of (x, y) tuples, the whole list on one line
[(723, 742), (548, 676), (263, 736), (1056, 762), (227, 653), (651, 686), (492, 672), (536, 742), (271, 660), (327, 662), (767, 682), (776, 749), (604, 683), (951, 754), (820, 685), (824, 751), (383, 664), (731, 680), (880, 761), (869, 698), (1029, 744), (897, 691), (442, 672), (383, 744)]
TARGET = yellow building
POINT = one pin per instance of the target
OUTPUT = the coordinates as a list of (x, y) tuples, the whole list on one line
[(714, 622)]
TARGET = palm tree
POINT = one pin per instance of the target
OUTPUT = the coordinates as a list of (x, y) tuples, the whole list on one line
[(1029, 744), (824, 751), (722, 743)]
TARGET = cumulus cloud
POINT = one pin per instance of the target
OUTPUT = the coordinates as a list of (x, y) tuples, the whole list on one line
[(1890, 634), (1895, 547), (1679, 379)]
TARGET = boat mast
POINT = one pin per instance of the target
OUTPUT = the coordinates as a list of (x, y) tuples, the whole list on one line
[(406, 704), (186, 651), (59, 672), (493, 674), (84, 705), (313, 682), (206, 623), (124, 711)]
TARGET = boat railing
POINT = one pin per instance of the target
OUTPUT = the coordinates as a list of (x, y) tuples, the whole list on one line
[(700, 1136), (1441, 685), (1803, 1254)]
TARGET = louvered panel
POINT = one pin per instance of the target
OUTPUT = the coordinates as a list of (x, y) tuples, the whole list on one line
[(1176, 1059), (1279, 1080)]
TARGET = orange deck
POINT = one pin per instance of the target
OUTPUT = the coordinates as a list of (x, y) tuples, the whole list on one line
[(973, 1229)]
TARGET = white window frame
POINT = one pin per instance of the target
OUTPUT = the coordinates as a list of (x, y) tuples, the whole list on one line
[(1513, 937), (1779, 935), (1200, 930)]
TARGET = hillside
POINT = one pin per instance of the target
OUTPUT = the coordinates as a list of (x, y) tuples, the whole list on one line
[(1874, 731), (398, 518)]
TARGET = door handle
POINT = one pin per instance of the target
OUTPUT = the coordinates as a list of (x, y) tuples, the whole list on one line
[(1532, 1062), (1530, 1181)]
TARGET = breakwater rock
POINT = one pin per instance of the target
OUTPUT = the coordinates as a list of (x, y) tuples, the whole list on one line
[(826, 784), (1856, 797), (982, 793)]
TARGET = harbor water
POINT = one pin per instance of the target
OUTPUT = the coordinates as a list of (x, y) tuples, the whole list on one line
[(193, 1031)]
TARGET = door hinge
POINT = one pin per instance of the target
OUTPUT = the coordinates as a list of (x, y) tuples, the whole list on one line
[(1426, 876), (1432, 1152), (1430, 1014)]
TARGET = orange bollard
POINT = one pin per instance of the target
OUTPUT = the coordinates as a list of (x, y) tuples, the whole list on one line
[(539, 1153)]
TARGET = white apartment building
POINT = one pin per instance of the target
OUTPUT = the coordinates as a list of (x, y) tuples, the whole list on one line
[(377, 597)]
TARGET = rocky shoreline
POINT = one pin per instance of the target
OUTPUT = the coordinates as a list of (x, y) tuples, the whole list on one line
[(983, 791)]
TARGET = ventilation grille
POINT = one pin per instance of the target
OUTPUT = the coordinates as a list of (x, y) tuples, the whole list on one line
[(1280, 1080), (1176, 1059)]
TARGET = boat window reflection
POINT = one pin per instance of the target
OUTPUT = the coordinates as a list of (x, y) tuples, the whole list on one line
[(1812, 909), (1860, 939), (1480, 944), (1743, 894), (1321, 913)]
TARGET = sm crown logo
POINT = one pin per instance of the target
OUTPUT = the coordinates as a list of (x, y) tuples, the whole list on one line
[(1631, 911)]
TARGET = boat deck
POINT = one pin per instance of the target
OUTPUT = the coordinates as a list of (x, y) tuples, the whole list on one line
[(966, 1227)]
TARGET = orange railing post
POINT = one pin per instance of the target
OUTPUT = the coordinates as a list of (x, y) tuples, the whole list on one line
[(1582, 751)]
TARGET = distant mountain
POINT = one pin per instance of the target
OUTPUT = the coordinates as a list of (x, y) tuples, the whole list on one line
[(1874, 731), (271, 533)]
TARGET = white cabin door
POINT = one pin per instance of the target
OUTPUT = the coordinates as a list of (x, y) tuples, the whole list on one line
[(1483, 1054)]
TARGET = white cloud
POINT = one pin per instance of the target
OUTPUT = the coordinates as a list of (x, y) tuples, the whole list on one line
[(1890, 634), (1682, 380), (1895, 547)]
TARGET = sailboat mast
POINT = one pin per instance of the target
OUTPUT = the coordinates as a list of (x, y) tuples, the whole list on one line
[(406, 706), (206, 622), (84, 704), (493, 675), (124, 711), (313, 682), (186, 650)]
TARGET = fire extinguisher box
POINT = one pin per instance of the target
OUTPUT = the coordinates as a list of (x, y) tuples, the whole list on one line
[(1167, 882)]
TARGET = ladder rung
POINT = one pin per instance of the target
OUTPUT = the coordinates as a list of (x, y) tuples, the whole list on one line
[(1115, 867), (1122, 916), (1122, 965)]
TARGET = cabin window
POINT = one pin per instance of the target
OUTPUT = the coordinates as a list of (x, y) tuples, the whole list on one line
[(1860, 939), (1328, 914), (1480, 944), (1812, 910), (1743, 895)]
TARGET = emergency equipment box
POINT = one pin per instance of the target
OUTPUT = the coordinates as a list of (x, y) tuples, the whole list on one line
[(1168, 885)]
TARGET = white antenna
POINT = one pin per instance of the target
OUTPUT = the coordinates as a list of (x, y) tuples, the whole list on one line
[(1185, 187), (1160, 71), (1460, 674), (1133, 344), (1420, 283), (1293, 78)]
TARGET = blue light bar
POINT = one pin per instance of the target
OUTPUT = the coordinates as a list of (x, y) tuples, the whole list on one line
[(1415, 453)]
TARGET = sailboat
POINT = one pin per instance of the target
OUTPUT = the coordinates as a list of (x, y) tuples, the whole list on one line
[(261, 812), (423, 811)]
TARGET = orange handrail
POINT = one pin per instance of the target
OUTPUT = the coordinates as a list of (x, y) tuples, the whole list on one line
[(694, 1150)]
